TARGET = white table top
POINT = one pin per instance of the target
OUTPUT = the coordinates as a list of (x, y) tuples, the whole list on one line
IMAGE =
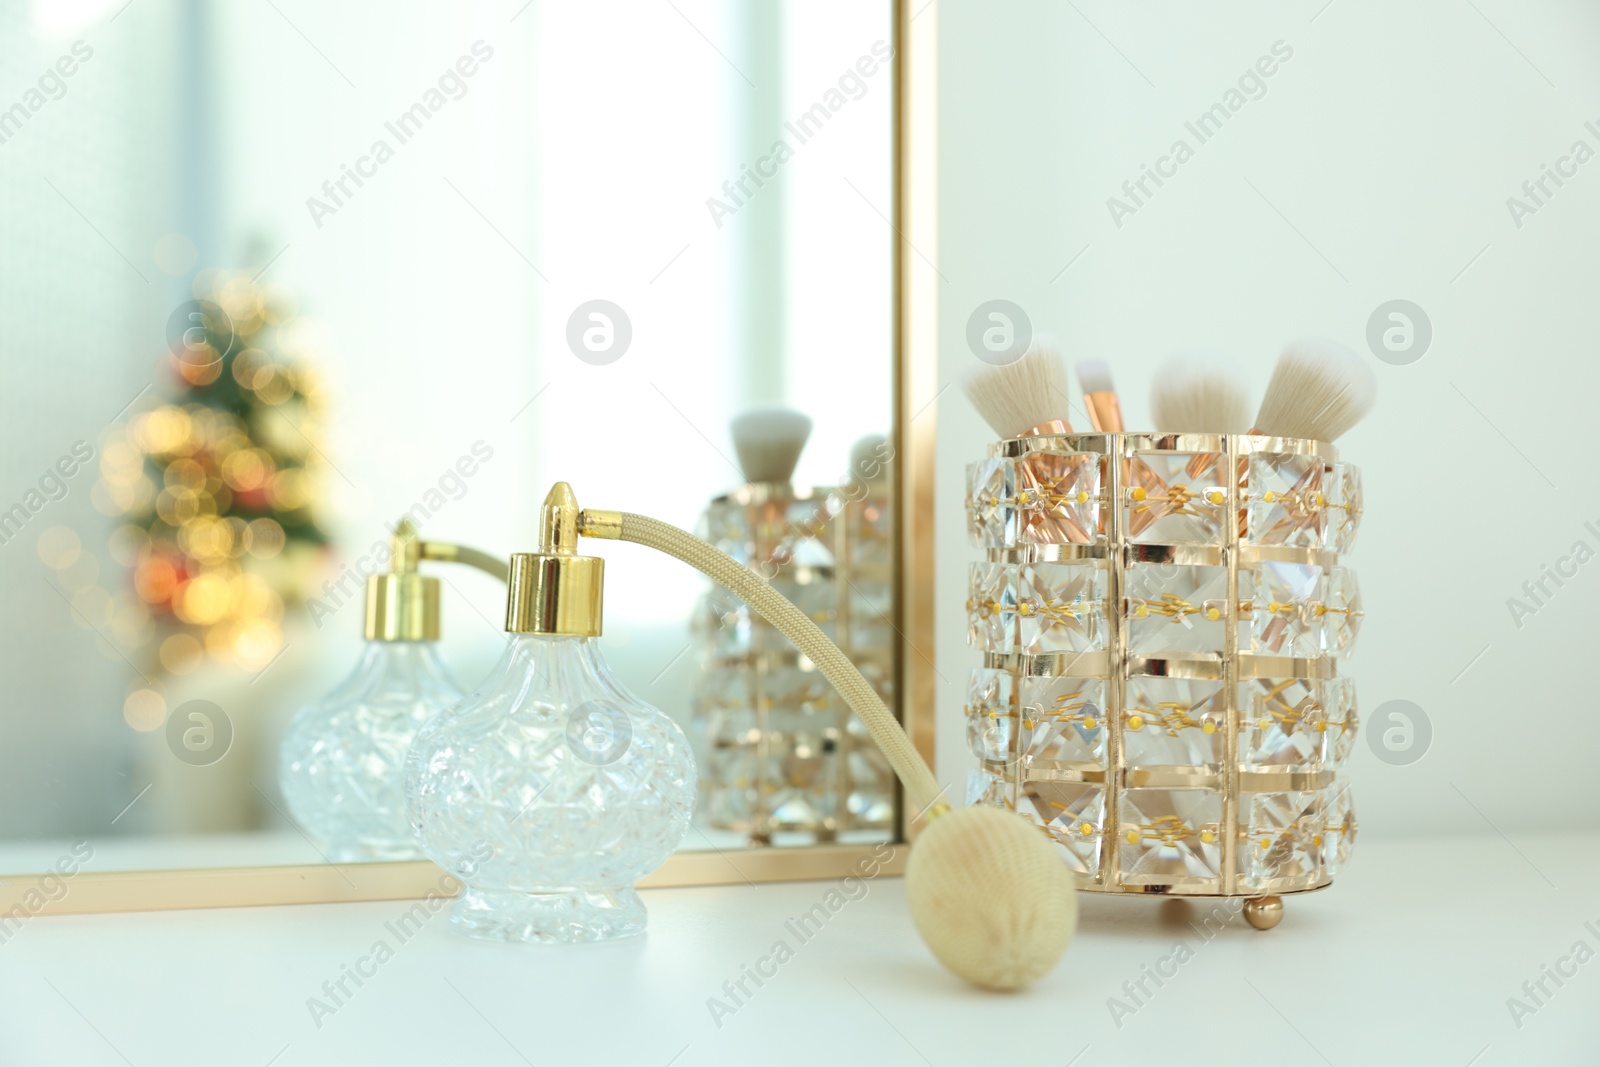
[(1409, 959)]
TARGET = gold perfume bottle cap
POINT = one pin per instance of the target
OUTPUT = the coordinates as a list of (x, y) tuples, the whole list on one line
[(403, 605), (555, 591)]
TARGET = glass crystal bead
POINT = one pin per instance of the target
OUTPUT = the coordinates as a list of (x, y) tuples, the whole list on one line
[(871, 783), (1058, 498), (1174, 722), (724, 624), (718, 690), (1062, 722), (730, 746), (1339, 828), (727, 526), (1175, 608), (992, 715), (1176, 499), (1170, 836), (1281, 838), (1343, 612), (871, 613), (1286, 503), (870, 531), (1061, 607), (800, 690), (1344, 507), (1286, 616), (806, 536), (1339, 703), (1037, 608), (1074, 816), (1283, 725), (990, 790), (801, 777), (991, 503), (992, 607)]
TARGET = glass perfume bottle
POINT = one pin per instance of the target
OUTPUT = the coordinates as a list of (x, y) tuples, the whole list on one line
[(552, 789), (341, 759)]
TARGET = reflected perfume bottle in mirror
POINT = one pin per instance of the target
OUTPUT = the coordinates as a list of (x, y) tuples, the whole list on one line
[(341, 759)]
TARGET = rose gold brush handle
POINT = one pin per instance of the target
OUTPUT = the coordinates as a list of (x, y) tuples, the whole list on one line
[(1105, 414)]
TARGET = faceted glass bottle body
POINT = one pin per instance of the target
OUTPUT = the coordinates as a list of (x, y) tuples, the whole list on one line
[(549, 792), (341, 765)]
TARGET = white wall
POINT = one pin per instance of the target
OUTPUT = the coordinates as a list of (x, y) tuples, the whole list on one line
[(1390, 140)]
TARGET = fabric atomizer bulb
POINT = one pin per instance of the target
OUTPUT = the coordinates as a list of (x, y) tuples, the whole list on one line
[(342, 760), (552, 789)]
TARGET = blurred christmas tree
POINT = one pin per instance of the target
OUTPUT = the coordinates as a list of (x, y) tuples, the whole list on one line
[(218, 484)]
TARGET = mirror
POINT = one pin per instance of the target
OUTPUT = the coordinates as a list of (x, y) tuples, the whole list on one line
[(276, 277)]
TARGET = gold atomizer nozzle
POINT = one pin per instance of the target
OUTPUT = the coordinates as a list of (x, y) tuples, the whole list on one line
[(555, 591), (403, 605)]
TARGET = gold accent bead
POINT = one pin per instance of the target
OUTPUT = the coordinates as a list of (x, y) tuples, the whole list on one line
[(1208, 727), (1083, 496), (1269, 496), (1264, 913), (1085, 829), (1272, 608), (1213, 614), (1088, 722), (1138, 492), (1133, 837), (1216, 496), (1136, 722), (1206, 837)]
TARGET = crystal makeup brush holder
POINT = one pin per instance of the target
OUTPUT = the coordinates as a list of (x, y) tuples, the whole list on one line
[(1161, 618), (781, 753)]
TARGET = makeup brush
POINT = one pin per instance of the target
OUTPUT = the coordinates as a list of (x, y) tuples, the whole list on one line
[(769, 442), (1319, 389), (869, 458), (1025, 398), (1199, 391), (1105, 414)]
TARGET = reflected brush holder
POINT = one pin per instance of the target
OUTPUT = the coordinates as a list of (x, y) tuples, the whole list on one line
[(780, 751), (1161, 618)]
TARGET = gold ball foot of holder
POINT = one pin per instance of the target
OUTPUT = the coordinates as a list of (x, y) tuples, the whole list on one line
[(1263, 912)]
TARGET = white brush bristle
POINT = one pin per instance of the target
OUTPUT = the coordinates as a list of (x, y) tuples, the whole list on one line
[(1199, 391), (1319, 390), (1022, 394), (1094, 376), (869, 458), (769, 442)]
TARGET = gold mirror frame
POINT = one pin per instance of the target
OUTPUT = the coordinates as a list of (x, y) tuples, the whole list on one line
[(915, 388)]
